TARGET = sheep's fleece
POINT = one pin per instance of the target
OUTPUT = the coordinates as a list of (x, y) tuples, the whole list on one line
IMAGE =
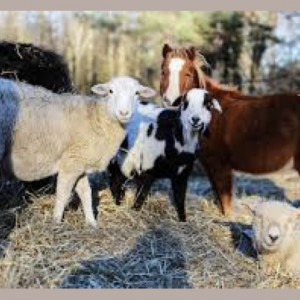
[(42, 134), (276, 235)]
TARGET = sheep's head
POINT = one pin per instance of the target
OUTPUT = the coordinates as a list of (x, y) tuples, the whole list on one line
[(122, 94), (273, 225), (196, 108)]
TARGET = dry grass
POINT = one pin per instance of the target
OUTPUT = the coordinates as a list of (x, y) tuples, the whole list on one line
[(147, 249)]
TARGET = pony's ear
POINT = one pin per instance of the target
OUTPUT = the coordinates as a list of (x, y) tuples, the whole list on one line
[(166, 49), (191, 52)]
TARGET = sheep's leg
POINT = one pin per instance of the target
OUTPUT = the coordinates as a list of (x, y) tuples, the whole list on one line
[(116, 182), (143, 187), (84, 192), (179, 186), (64, 187)]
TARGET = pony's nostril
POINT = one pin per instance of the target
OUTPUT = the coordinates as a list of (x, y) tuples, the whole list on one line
[(166, 101)]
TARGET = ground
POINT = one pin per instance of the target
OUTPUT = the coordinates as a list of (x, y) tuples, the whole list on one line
[(147, 249)]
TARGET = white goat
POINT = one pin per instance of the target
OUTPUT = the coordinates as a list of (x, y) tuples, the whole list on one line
[(275, 236), (43, 134)]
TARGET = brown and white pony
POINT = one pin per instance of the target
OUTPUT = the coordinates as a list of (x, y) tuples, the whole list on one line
[(253, 134)]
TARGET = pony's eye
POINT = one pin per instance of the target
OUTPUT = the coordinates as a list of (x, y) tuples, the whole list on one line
[(110, 91), (137, 93), (188, 75)]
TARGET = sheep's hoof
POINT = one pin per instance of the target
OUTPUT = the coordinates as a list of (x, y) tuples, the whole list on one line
[(56, 221), (92, 224)]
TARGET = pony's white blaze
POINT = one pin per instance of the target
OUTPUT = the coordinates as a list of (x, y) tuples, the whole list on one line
[(173, 90)]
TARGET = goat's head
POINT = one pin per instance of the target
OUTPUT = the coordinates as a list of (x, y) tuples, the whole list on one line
[(196, 109)]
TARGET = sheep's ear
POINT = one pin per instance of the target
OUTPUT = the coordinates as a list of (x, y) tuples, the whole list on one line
[(101, 89), (146, 92), (216, 105), (249, 209), (166, 49)]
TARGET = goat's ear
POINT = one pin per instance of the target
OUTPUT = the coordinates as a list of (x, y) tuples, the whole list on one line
[(183, 102), (166, 49), (191, 52), (146, 92), (101, 89), (216, 105), (249, 209)]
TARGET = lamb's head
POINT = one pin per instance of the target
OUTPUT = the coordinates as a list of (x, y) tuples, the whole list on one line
[(273, 225), (196, 108), (122, 94)]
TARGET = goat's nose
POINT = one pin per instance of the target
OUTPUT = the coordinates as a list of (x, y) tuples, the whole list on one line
[(195, 120)]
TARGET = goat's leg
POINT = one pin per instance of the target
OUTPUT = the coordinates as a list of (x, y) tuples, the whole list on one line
[(220, 177), (116, 183), (84, 192), (144, 183), (64, 187), (179, 186)]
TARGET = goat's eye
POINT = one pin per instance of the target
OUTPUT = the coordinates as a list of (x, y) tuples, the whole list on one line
[(110, 91)]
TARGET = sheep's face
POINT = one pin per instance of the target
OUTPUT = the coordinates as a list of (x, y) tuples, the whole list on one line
[(273, 225), (196, 109), (122, 94)]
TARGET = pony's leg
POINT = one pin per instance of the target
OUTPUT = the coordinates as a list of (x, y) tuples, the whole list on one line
[(144, 183), (220, 177), (297, 161)]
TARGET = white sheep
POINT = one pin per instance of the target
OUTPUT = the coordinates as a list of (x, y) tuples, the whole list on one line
[(275, 236), (161, 143), (43, 134)]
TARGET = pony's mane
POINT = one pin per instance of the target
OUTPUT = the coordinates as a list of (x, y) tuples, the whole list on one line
[(224, 91)]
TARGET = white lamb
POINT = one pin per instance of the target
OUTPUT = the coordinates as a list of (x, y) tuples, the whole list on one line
[(43, 133), (275, 236)]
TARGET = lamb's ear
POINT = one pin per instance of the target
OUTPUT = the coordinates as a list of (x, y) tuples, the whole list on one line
[(216, 105), (249, 209), (166, 49), (101, 89), (146, 92)]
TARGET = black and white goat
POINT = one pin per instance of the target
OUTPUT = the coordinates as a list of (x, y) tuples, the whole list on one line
[(161, 143)]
